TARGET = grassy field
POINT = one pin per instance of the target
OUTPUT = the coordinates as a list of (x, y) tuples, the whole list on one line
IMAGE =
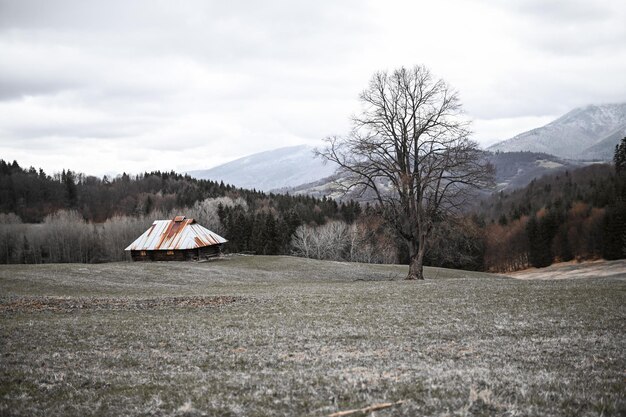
[(281, 336)]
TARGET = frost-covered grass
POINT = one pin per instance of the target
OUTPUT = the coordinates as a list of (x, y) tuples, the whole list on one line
[(302, 337)]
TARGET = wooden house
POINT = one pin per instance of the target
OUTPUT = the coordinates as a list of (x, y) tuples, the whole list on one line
[(180, 239)]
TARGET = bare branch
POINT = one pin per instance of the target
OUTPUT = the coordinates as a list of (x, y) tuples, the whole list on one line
[(410, 147)]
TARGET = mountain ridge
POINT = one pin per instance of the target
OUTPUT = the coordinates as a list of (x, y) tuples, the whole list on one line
[(268, 170), (584, 133), (514, 170)]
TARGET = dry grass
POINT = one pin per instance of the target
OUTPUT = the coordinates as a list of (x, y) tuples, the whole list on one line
[(302, 337), (575, 270)]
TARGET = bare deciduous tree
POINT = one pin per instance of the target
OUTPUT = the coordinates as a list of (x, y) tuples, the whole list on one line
[(206, 211), (323, 242), (410, 148), (339, 241)]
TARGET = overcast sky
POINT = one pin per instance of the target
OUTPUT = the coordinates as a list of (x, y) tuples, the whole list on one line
[(111, 86)]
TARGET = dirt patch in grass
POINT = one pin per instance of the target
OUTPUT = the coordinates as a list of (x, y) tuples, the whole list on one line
[(66, 305), (573, 269)]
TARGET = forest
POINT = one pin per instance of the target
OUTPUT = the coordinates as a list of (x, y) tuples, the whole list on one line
[(575, 215), (69, 217)]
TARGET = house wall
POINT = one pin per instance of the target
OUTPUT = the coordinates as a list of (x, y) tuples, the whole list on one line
[(175, 255), (159, 255), (209, 251)]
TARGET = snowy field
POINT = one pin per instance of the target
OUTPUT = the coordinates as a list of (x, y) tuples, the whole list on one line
[(282, 336)]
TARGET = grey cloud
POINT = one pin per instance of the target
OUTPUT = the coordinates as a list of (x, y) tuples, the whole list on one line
[(98, 39), (564, 11), (114, 129), (573, 27), (233, 77), (213, 29), (12, 88)]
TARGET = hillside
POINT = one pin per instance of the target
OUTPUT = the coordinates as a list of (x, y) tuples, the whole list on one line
[(265, 171), (604, 150), (517, 169), (299, 172), (586, 133), (513, 170), (575, 215), (596, 185), (589, 132)]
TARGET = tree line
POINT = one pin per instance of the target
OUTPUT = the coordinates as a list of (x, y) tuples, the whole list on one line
[(70, 217), (572, 215), (32, 194)]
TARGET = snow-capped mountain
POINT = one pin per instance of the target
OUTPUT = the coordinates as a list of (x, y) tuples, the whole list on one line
[(278, 168), (589, 132)]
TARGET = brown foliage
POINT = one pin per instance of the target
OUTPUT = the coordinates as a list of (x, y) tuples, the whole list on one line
[(506, 246)]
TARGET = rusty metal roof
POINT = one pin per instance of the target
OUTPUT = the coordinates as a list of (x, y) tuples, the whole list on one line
[(179, 233)]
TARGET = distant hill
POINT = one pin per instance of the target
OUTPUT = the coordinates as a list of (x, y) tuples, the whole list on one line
[(265, 171), (296, 170), (595, 184), (513, 170), (585, 133), (517, 169)]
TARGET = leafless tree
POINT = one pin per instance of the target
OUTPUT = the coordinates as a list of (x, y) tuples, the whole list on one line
[(339, 241), (118, 231), (68, 237), (206, 211), (322, 242), (410, 148), (11, 237)]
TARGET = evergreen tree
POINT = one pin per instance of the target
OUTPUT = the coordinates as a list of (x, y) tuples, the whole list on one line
[(619, 158), (540, 234), (148, 206), (271, 236), (614, 236), (564, 249), (258, 239), (534, 247), (70, 187)]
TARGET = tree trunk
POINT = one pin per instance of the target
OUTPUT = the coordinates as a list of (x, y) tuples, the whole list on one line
[(416, 263)]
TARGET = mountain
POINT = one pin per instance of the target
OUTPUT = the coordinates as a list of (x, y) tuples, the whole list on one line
[(513, 170), (265, 171), (605, 149), (587, 133)]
